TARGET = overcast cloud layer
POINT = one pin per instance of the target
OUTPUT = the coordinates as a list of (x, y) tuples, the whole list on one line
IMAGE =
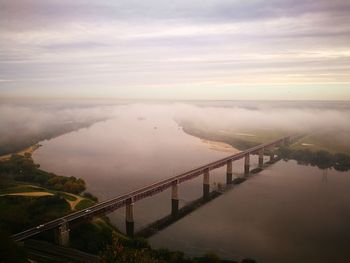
[(176, 49)]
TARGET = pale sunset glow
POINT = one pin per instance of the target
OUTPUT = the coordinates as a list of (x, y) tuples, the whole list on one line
[(153, 49)]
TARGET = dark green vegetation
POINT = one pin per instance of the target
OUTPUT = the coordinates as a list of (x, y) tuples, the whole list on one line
[(21, 212), (9, 250), (83, 204), (23, 169), (20, 174), (101, 238), (333, 142), (321, 159), (92, 236), (124, 250)]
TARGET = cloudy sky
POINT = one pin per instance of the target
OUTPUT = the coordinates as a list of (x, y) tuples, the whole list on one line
[(179, 49)]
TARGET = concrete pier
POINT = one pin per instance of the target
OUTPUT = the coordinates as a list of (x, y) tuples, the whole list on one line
[(206, 184), (229, 172), (129, 218), (175, 198), (261, 158), (246, 163), (63, 235)]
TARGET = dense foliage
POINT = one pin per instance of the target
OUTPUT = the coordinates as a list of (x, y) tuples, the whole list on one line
[(22, 168), (321, 159), (9, 250), (93, 236), (138, 251), (19, 212)]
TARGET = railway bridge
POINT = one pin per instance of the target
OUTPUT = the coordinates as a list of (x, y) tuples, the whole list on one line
[(62, 225)]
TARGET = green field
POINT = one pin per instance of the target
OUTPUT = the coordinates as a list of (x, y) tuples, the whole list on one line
[(243, 139), (333, 143)]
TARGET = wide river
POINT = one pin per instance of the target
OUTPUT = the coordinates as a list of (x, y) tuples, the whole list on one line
[(287, 213)]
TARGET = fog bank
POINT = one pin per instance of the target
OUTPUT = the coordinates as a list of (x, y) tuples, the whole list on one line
[(23, 124)]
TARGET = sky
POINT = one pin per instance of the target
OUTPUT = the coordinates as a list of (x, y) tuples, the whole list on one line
[(179, 49)]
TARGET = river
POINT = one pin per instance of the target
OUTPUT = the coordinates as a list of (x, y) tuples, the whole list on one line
[(287, 213)]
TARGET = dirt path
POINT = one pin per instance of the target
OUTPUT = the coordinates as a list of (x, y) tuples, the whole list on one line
[(30, 194), (74, 203)]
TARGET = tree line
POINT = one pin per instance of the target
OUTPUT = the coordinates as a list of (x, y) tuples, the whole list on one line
[(321, 159), (23, 168)]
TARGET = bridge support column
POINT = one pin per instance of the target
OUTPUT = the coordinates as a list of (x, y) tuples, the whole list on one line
[(206, 184), (261, 158), (246, 163), (272, 156), (63, 235), (229, 172), (129, 218), (175, 198)]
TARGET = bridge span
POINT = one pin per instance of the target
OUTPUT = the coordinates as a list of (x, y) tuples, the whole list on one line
[(127, 200)]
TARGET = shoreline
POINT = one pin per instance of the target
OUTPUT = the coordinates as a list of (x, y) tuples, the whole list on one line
[(31, 149), (219, 146)]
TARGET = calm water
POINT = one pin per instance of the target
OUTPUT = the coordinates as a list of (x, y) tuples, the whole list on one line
[(287, 213), (127, 152)]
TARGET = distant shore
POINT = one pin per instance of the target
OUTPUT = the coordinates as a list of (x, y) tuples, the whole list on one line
[(220, 146), (30, 150)]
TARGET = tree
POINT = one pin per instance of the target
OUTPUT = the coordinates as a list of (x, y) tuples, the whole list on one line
[(9, 251)]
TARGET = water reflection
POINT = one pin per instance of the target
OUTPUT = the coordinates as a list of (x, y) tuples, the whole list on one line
[(285, 214)]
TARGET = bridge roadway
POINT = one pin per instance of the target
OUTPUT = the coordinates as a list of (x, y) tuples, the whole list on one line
[(122, 200)]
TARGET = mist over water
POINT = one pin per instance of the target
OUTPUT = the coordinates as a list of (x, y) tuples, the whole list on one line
[(27, 118), (288, 213)]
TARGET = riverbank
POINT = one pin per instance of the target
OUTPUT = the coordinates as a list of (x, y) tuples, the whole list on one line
[(219, 146), (29, 150), (310, 149)]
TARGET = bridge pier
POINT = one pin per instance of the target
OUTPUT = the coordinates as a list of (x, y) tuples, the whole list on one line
[(246, 163), (206, 184), (261, 158), (272, 156), (175, 198), (63, 234), (129, 218), (229, 172)]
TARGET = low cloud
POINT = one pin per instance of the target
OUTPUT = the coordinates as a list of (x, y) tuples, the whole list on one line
[(29, 122)]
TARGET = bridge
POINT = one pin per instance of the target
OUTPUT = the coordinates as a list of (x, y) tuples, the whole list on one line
[(127, 200)]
